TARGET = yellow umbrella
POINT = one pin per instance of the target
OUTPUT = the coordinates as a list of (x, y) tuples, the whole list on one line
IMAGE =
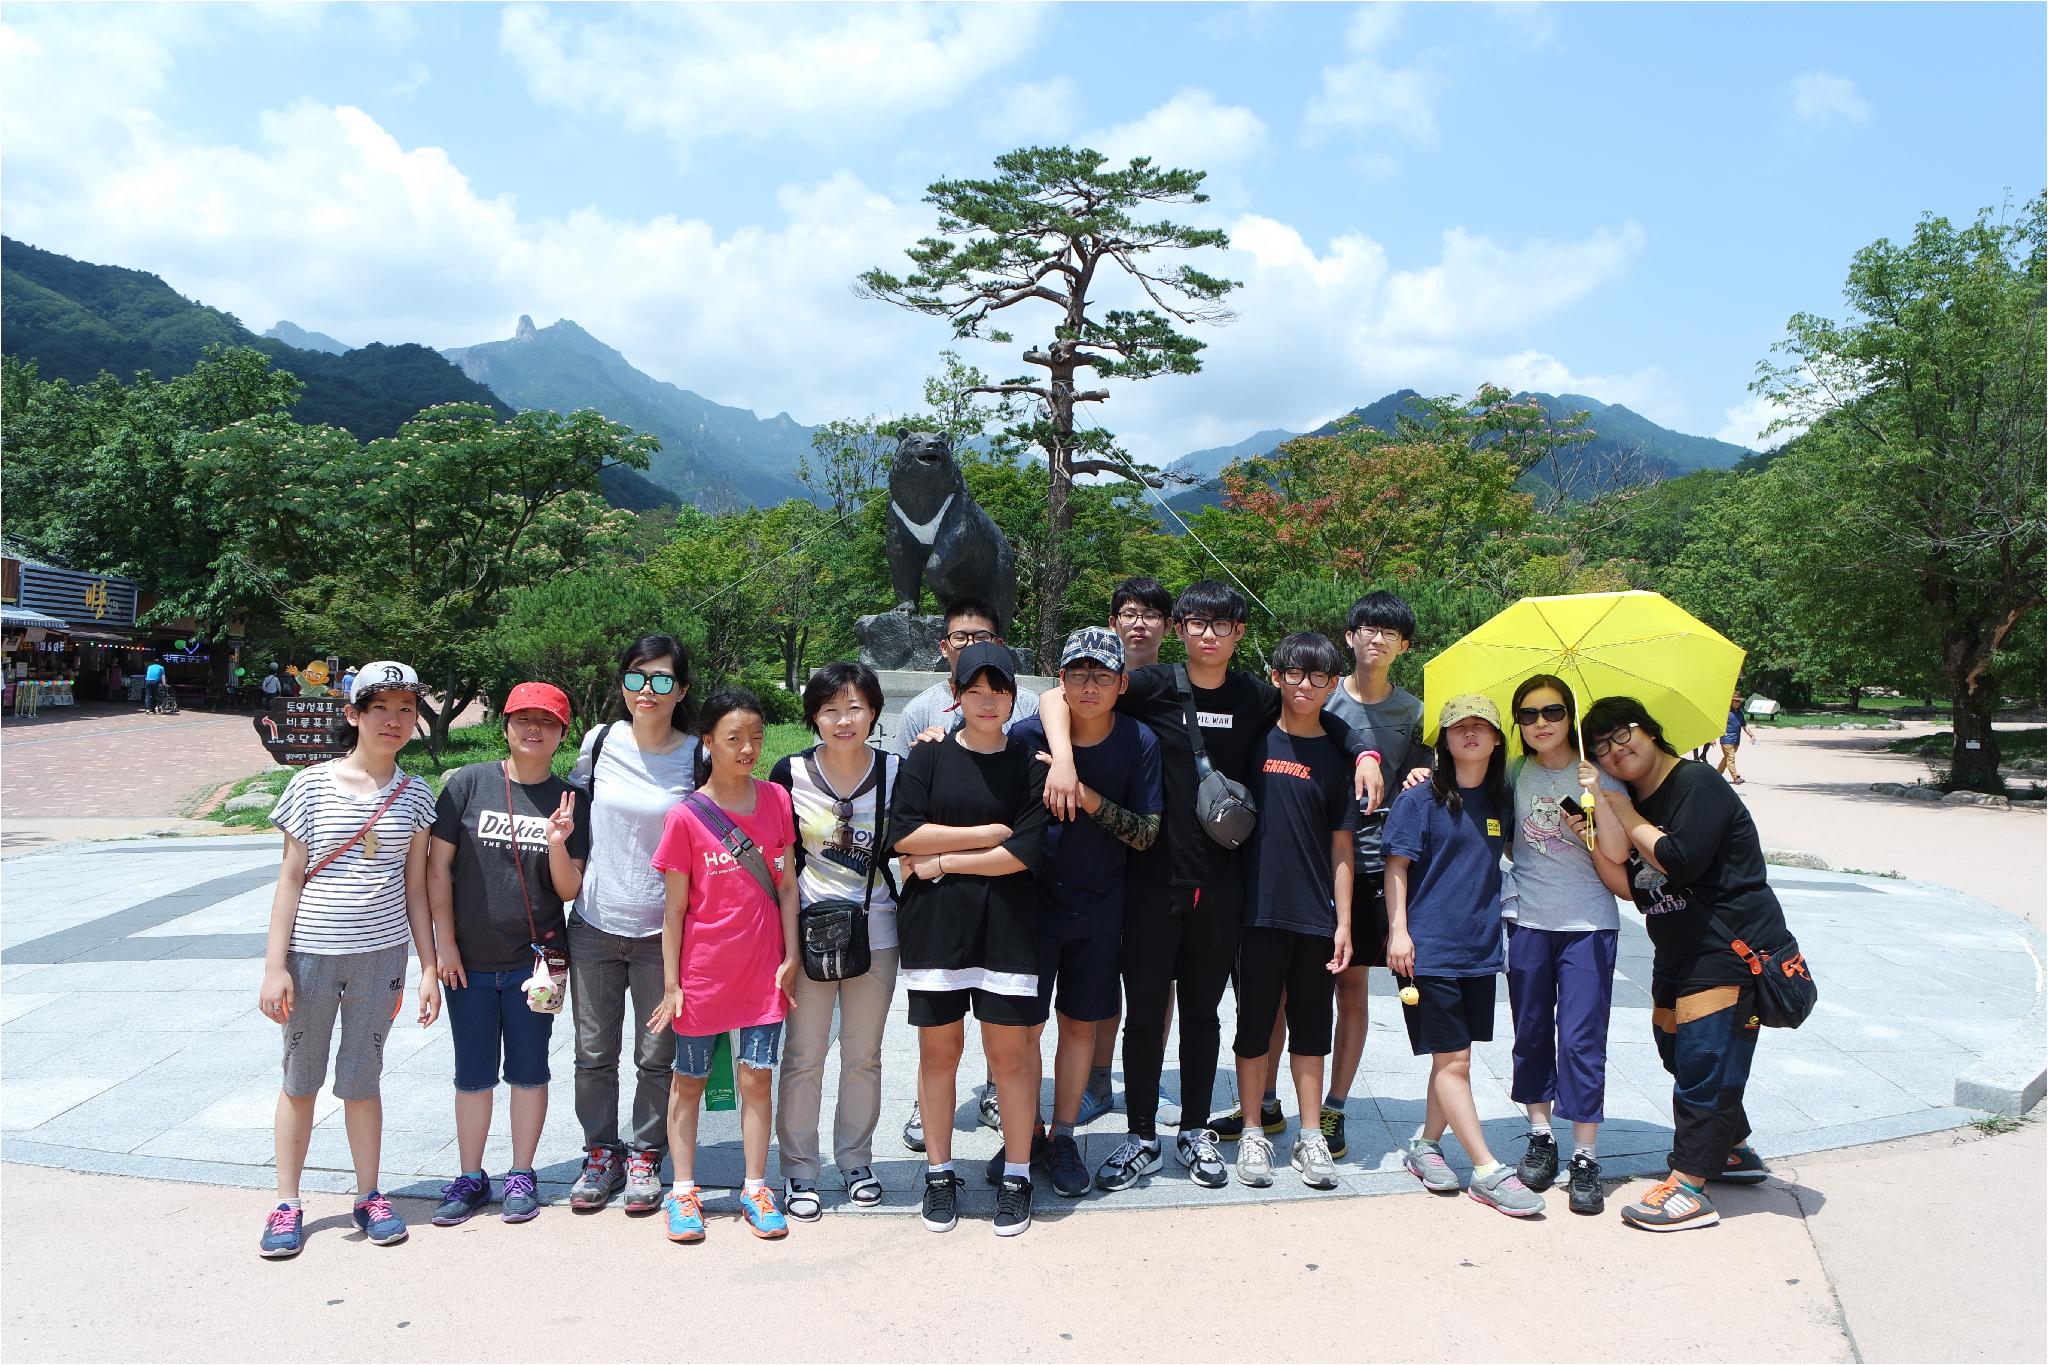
[(1602, 644)]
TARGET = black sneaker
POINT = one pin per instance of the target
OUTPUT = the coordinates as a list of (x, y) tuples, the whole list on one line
[(1229, 1127), (1744, 1167), (1196, 1149), (1131, 1162), (941, 1200), (1069, 1174), (1013, 1206), (1584, 1182), (1041, 1157), (913, 1129), (1332, 1124), (1538, 1167)]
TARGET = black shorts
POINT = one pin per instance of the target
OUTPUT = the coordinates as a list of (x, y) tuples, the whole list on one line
[(1270, 961), (933, 1009), (1369, 919), (1454, 1013), (1082, 955)]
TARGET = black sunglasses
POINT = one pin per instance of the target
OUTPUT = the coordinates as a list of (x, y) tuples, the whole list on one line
[(1527, 715), (636, 681)]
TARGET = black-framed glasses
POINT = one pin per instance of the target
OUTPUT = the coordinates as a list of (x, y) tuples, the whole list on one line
[(1314, 677), (1101, 678), (1203, 625), (962, 638), (1529, 715), (636, 681), (1132, 616), (1600, 747), (1377, 633)]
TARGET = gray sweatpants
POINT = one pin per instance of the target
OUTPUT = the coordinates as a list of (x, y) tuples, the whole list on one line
[(363, 991)]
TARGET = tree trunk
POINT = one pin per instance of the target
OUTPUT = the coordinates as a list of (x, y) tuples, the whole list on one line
[(1973, 696)]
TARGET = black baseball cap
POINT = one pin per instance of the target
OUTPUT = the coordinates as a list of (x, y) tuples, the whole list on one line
[(989, 657)]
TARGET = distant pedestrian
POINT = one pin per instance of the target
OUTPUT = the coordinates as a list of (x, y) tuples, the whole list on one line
[(153, 686), (1731, 740), (351, 895), (272, 685)]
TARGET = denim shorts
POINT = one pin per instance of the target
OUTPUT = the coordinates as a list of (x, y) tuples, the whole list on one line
[(490, 1020), (759, 1046)]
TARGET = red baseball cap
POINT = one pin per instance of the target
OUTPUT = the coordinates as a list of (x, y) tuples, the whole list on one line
[(538, 696)]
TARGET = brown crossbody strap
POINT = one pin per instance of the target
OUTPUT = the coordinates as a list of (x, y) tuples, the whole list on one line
[(357, 837), (519, 869)]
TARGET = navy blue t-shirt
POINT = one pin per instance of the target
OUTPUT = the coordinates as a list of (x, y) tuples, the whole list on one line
[(1085, 862), (1453, 880), (1303, 790)]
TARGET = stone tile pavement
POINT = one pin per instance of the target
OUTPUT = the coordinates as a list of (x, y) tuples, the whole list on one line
[(130, 1041), (117, 761)]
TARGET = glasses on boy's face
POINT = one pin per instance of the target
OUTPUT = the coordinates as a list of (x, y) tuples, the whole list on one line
[(1131, 616), (963, 638), (1202, 625), (1102, 679), (1618, 739), (1295, 677), (1377, 633), (636, 681), (1529, 715)]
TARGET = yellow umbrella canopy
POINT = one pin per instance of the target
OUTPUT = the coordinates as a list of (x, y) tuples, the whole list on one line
[(1602, 644)]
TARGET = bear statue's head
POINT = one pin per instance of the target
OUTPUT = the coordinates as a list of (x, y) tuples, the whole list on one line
[(924, 452)]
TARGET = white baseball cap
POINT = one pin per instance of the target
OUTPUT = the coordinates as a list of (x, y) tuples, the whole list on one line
[(386, 675)]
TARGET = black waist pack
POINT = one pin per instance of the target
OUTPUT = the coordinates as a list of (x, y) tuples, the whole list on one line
[(1225, 808)]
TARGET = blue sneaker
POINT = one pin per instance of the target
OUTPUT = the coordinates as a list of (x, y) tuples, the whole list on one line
[(1094, 1104), (758, 1205), (460, 1198), (685, 1217), (378, 1221), (281, 1235), (522, 1197)]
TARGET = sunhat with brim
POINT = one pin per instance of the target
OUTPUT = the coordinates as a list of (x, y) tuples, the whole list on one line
[(1465, 708)]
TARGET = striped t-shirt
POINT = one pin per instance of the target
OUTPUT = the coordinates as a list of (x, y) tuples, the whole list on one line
[(357, 903)]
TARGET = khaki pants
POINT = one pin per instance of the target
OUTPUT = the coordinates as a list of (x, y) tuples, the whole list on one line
[(863, 1006)]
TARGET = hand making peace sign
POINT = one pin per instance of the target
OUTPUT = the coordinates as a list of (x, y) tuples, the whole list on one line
[(562, 823)]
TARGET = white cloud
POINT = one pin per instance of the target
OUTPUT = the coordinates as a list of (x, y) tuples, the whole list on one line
[(1365, 93), (1824, 100), (1191, 130), (411, 83), (1648, 391), (1744, 424), (696, 72)]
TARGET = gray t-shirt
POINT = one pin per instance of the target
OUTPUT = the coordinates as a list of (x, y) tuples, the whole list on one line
[(1556, 886), (630, 799), (930, 707), (491, 928), (1394, 728)]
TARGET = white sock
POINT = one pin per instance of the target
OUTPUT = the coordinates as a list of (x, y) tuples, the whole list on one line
[(943, 1168), (679, 1189), (751, 1184), (1538, 1129), (1016, 1170), (1584, 1149), (293, 1203)]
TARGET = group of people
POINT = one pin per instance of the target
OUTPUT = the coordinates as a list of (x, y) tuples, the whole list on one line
[(1127, 846)]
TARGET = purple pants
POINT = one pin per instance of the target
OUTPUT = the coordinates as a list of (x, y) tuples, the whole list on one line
[(1560, 988)]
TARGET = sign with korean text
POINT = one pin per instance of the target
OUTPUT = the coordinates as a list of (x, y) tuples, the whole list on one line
[(297, 731)]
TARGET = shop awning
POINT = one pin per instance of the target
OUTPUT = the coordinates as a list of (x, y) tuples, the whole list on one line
[(22, 618), (102, 635)]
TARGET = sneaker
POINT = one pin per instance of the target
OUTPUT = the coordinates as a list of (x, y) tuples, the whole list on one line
[(757, 1206), (941, 1200), (1743, 1167), (378, 1221), (521, 1199), (643, 1182), (1094, 1104), (1504, 1190), (1195, 1148), (1168, 1114), (1332, 1124), (1041, 1156), (1229, 1127), (685, 1214), (460, 1198), (1013, 1206), (1312, 1159), (1670, 1206), (1583, 1181), (1132, 1161), (913, 1129), (1538, 1167), (1254, 1160), (991, 1115), (1069, 1172), (602, 1177), (282, 1236), (1425, 1161)]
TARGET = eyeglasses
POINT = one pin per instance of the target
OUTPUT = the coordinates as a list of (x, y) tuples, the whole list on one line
[(1377, 633), (964, 638), (1089, 677), (1314, 677), (1618, 739), (1131, 617), (1528, 715), (636, 681), (1202, 625)]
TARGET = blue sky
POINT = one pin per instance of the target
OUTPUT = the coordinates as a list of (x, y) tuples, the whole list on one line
[(1622, 200)]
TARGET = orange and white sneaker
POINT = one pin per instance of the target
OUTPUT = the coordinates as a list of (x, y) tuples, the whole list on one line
[(1669, 1207)]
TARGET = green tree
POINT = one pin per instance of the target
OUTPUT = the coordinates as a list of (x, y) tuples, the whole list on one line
[(1926, 462), (569, 629), (1054, 226)]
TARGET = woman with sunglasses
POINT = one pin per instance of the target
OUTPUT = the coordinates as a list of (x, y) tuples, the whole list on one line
[(1563, 926), (1696, 871), (635, 770), (838, 791)]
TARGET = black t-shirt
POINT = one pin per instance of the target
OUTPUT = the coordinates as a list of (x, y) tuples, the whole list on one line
[(1233, 718), (491, 931), (1303, 789), (1713, 864), (961, 930), (1085, 863)]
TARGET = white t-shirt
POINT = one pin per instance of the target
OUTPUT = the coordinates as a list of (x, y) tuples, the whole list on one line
[(828, 873), (629, 804), (357, 902), (934, 706)]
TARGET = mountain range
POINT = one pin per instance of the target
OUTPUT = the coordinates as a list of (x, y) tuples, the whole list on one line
[(291, 334)]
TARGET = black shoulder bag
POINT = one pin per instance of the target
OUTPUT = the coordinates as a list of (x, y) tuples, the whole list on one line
[(1224, 807), (834, 931), (1785, 990)]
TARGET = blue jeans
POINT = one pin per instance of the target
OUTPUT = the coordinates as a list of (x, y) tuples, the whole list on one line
[(489, 1020), (760, 1047), (1707, 1041)]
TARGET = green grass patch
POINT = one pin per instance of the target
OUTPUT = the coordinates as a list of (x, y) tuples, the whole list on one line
[(2011, 744)]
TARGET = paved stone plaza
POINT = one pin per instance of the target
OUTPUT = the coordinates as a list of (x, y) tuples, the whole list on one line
[(132, 1044)]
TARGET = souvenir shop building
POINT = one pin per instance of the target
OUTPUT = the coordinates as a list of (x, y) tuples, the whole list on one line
[(72, 636)]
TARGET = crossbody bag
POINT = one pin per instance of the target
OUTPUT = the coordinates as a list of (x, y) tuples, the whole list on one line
[(1786, 992), (833, 932), (550, 959), (1225, 808), (363, 833)]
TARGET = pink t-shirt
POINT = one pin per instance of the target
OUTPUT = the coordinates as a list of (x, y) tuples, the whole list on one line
[(732, 929)]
